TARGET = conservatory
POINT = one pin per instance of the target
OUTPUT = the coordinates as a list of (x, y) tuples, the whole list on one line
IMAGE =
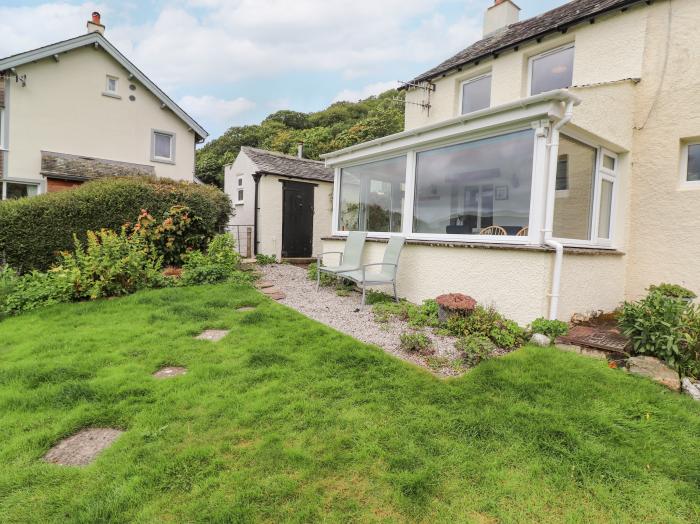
[(495, 204)]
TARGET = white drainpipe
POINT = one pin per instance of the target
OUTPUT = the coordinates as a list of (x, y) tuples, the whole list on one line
[(552, 146)]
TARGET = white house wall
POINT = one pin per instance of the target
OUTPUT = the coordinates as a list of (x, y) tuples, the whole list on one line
[(62, 109)]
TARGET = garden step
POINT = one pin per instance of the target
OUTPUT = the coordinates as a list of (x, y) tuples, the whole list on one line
[(245, 308), (263, 284), (83, 447), (654, 369)]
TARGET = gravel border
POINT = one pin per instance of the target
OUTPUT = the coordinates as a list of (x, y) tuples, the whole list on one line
[(346, 314)]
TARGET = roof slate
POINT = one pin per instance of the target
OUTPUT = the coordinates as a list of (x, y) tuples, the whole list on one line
[(554, 20), (75, 167), (274, 163)]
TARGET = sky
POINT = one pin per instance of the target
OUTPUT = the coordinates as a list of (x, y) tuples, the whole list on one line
[(233, 62)]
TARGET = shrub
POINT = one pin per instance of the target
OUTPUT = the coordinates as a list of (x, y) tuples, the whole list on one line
[(179, 233), (265, 260), (37, 289), (673, 291), (487, 322), (475, 348), (665, 327), (111, 264), (8, 282), (34, 230), (417, 316), (415, 342), (220, 263), (551, 328)]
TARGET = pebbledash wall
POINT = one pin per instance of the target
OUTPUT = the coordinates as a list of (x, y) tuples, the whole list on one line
[(62, 109), (637, 92)]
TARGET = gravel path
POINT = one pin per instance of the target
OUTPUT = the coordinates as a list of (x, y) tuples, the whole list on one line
[(347, 315)]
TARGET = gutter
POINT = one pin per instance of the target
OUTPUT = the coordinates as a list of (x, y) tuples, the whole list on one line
[(559, 95), (552, 147)]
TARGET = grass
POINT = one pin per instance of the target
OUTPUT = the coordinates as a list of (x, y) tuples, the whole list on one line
[(287, 420)]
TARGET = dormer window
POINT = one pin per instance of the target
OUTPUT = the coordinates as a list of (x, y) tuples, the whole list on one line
[(552, 70), (476, 94)]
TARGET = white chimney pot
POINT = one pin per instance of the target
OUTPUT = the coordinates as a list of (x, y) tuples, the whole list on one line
[(499, 16)]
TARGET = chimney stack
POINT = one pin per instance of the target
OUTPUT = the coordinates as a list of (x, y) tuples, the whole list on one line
[(95, 25), (499, 16), (300, 150)]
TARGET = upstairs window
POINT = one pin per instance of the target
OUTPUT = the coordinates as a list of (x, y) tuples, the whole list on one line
[(163, 147), (111, 86), (239, 190), (476, 94), (552, 70)]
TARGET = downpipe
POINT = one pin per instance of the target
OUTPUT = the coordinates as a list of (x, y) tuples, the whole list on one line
[(553, 145)]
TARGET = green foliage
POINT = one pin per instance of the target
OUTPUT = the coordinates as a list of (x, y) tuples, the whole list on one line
[(180, 232), (220, 263), (551, 328), (415, 342), (264, 260), (8, 282), (417, 316), (665, 327), (37, 289), (475, 348), (673, 290), (326, 278), (111, 264), (34, 230), (340, 125), (377, 297), (487, 322)]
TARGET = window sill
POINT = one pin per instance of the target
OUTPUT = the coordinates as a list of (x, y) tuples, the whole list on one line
[(162, 160), (111, 95), (484, 245), (240, 203), (690, 185)]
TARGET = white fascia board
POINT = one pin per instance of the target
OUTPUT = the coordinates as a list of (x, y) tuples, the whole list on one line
[(547, 105), (96, 38)]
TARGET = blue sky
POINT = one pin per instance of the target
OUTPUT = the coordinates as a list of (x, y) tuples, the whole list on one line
[(232, 62)]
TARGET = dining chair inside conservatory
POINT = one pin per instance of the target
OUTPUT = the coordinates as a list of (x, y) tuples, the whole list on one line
[(494, 230), (388, 268), (350, 257), (523, 232)]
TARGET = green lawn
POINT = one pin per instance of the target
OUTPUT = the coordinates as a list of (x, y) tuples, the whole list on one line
[(287, 420)]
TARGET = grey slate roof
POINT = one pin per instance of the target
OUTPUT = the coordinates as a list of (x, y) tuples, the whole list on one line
[(555, 20), (274, 163), (75, 167)]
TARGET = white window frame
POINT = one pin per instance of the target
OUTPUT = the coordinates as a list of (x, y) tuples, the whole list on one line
[(601, 173), (111, 93), (24, 182), (162, 160), (239, 190), (532, 59), (684, 182), (469, 81), (536, 204), (3, 147)]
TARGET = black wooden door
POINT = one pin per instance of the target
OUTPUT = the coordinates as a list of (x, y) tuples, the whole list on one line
[(297, 219)]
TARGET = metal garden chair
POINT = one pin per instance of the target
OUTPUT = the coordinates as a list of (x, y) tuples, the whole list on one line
[(387, 275), (350, 257)]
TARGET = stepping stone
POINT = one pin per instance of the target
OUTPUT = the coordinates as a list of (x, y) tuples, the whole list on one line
[(169, 372), (214, 335), (245, 308), (262, 284), (274, 293), (83, 447)]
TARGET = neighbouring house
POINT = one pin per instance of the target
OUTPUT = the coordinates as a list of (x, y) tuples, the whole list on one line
[(551, 168), (283, 203), (79, 109)]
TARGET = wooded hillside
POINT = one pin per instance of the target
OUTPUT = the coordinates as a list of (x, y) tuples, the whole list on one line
[(340, 125)]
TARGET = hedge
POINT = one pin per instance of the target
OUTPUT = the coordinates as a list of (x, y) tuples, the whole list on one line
[(33, 230)]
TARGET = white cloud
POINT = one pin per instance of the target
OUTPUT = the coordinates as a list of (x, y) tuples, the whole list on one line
[(215, 111), (353, 95)]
